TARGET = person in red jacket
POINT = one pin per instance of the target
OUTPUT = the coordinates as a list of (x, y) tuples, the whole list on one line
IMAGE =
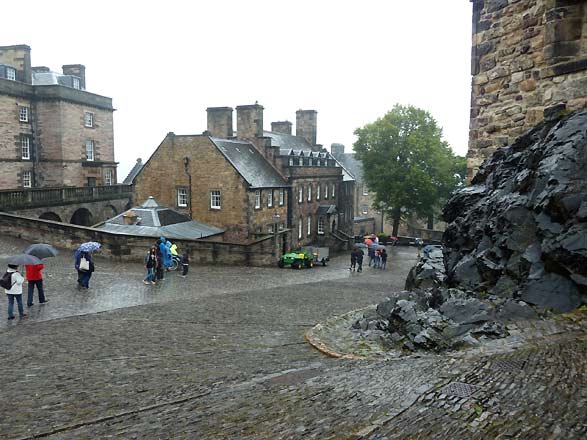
[(35, 278)]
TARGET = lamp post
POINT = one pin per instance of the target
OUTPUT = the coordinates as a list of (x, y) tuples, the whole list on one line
[(276, 218)]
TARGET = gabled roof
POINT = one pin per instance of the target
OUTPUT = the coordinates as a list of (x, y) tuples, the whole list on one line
[(133, 173), (249, 163), (352, 165)]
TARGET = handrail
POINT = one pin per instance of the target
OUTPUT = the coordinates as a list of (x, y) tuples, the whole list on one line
[(33, 197)]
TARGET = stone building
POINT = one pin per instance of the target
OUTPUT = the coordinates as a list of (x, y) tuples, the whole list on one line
[(52, 131), (367, 220), (252, 182), (529, 58)]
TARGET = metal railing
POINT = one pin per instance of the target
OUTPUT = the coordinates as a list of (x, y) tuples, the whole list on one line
[(38, 197)]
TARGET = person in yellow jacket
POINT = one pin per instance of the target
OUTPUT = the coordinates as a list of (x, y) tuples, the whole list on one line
[(173, 250)]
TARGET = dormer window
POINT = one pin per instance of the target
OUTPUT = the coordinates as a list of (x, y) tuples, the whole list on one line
[(11, 73), (291, 161), (301, 161), (75, 83)]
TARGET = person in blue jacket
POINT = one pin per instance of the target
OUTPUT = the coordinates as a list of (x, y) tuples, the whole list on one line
[(168, 256)]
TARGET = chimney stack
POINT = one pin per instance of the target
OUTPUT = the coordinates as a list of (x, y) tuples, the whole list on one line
[(283, 127), (249, 122), (220, 122), (336, 149), (19, 57), (306, 125), (78, 70)]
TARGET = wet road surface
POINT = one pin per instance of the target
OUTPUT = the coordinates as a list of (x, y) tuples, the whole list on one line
[(221, 355)]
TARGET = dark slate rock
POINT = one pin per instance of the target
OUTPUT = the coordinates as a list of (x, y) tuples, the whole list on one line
[(553, 291), (523, 217), (466, 311), (515, 310)]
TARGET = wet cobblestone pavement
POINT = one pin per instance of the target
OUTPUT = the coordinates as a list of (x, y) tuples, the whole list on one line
[(221, 355)]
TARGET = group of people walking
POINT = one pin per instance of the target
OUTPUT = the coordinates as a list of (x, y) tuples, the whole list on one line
[(160, 259), (377, 258)]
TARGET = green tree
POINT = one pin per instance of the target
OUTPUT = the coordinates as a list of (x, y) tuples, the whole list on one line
[(407, 164)]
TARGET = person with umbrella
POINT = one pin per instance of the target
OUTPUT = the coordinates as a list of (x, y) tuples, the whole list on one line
[(34, 276), (84, 263), (14, 282), (15, 291)]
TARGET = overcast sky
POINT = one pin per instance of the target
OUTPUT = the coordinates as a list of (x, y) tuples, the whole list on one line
[(164, 62)]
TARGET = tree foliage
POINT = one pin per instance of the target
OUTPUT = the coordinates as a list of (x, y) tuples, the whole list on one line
[(407, 164)]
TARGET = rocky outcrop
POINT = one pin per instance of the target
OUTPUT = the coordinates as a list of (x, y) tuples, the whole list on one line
[(520, 229), (517, 237)]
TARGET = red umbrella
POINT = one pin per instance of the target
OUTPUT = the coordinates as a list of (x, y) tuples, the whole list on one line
[(368, 241)]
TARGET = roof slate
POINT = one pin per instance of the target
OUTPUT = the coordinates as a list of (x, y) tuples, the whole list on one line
[(249, 163), (159, 221), (287, 141), (133, 173)]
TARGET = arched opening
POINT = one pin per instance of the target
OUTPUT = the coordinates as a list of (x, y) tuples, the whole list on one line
[(50, 216), (81, 217), (109, 212)]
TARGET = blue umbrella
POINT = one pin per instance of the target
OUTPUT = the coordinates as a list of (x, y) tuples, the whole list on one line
[(89, 246), (361, 245)]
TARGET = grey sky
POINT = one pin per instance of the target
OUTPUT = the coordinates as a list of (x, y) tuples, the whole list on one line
[(163, 63)]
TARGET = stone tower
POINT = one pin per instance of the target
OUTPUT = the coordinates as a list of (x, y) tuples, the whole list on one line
[(529, 59)]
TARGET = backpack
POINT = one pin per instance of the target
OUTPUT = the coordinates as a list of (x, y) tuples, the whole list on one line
[(6, 281)]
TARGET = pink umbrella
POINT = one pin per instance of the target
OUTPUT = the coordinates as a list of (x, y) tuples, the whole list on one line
[(368, 241)]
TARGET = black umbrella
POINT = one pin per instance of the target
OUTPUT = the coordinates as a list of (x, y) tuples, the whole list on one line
[(41, 250), (23, 260)]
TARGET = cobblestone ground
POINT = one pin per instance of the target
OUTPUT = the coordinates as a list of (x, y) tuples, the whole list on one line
[(221, 355)]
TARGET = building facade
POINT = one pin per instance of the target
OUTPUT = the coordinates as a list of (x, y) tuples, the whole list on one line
[(52, 131), (253, 182), (367, 220), (529, 59)]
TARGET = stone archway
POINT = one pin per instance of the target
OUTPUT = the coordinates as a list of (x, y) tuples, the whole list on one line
[(50, 216), (109, 212), (81, 217)]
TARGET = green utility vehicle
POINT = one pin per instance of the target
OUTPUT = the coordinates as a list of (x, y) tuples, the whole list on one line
[(297, 260)]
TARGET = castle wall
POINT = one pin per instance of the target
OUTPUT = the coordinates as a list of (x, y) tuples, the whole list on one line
[(529, 57)]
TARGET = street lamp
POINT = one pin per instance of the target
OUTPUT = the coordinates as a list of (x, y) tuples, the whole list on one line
[(276, 218)]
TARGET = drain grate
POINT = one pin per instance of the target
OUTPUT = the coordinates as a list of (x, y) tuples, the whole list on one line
[(509, 364), (459, 389)]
